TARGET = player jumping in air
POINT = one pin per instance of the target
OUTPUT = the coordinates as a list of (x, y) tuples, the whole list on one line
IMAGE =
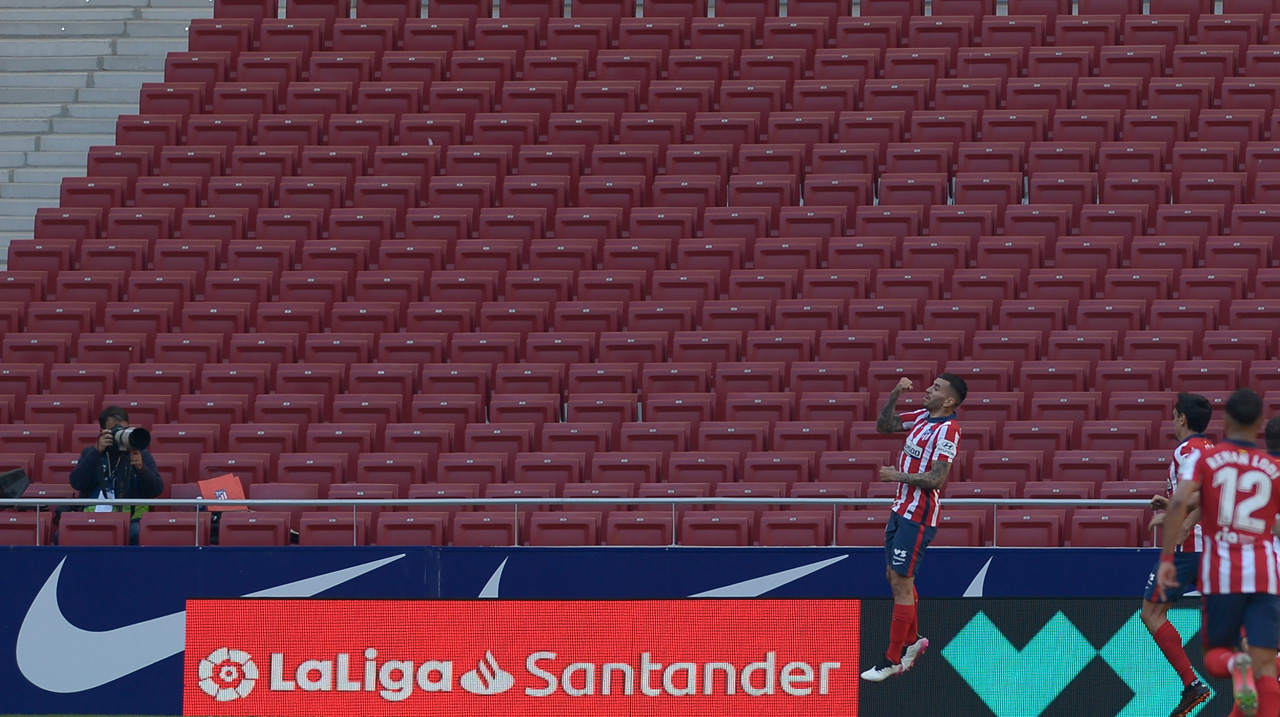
[(1239, 576), (923, 465), (1191, 416)]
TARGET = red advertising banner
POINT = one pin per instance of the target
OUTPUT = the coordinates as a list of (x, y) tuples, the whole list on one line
[(498, 658)]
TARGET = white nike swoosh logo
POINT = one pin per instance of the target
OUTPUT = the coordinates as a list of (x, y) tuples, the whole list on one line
[(754, 587), (57, 656)]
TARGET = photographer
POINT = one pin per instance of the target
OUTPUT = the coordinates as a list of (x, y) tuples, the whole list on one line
[(111, 469)]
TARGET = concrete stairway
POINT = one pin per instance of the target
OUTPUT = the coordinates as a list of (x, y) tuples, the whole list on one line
[(68, 68)]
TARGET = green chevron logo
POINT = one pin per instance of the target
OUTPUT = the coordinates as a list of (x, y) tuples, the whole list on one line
[(1023, 683)]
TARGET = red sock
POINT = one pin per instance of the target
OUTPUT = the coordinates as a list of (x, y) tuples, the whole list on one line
[(913, 631), (903, 616), (1217, 661), (1268, 697), (1170, 643)]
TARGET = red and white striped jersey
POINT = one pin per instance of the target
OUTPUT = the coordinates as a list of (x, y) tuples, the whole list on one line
[(1238, 505), (1181, 456), (929, 440)]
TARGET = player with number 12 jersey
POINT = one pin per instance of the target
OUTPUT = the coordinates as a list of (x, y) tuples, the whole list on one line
[(1239, 504)]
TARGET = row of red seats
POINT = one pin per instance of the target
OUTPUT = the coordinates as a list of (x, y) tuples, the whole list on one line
[(1179, 336), (965, 162), (1062, 426), (903, 116), (1082, 475), (538, 96), (621, 474), (1211, 196), (597, 237), (810, 36), (934, 274), (652, 362), (915, 303), (839, 361), (1014, 527), (836, 361), (499, 331), (840, 80), (822, 391), (331, 11), (919, 204), (1063, 431)]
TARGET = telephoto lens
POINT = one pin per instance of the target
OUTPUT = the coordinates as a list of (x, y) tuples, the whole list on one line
[(130, 439)]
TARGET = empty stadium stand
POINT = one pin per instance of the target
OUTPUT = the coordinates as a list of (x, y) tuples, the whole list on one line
[(600, 250)]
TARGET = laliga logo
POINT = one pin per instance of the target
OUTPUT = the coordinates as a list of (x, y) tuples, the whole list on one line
[(487, 678), (227, 674)]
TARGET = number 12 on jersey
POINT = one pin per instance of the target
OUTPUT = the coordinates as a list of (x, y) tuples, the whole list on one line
[(1231, 482)]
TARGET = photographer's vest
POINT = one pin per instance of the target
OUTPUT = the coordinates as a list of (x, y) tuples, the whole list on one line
[(136, 511)]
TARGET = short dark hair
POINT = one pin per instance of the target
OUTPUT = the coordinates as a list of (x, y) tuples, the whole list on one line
[(1273, 434), (958, 385), (112, 412), (1245, 407), (1197, 410)]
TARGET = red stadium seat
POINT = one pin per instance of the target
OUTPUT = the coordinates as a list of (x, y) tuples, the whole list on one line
[(1107, 527), (104, 529), (861, 527), (1032, 527), (643, 527)]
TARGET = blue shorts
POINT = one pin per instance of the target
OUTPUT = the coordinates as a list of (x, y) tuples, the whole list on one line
[(1188, 565), (904, 544), (1257, 614)]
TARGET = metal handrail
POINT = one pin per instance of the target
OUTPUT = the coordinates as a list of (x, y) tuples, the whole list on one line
[(355, 504)]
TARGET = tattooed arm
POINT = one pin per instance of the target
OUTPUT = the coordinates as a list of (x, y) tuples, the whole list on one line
[(933, 480), (889, 421)]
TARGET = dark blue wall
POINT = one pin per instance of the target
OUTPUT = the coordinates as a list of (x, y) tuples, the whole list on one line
[(103, 589)]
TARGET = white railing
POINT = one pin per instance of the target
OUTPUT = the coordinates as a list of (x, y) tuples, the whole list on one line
[(356, 504)]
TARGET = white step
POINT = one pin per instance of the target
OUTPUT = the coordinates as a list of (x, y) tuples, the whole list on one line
[(181, 3), (53, 174), (134, 63), (37, 95), (59, 48), (82, 14), (24, 126), (29, 190), (27, 111), (99, 28), (75, 142), (76, 126), (148, 46), (108, 95), (49, 64), (160, 13), (10, 160), (58, 4), (21, 227), (73, 80), (125, 79), (157, 28), (18, 143), (97, 112), (23, 209), (17, 223), (58, 159)]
